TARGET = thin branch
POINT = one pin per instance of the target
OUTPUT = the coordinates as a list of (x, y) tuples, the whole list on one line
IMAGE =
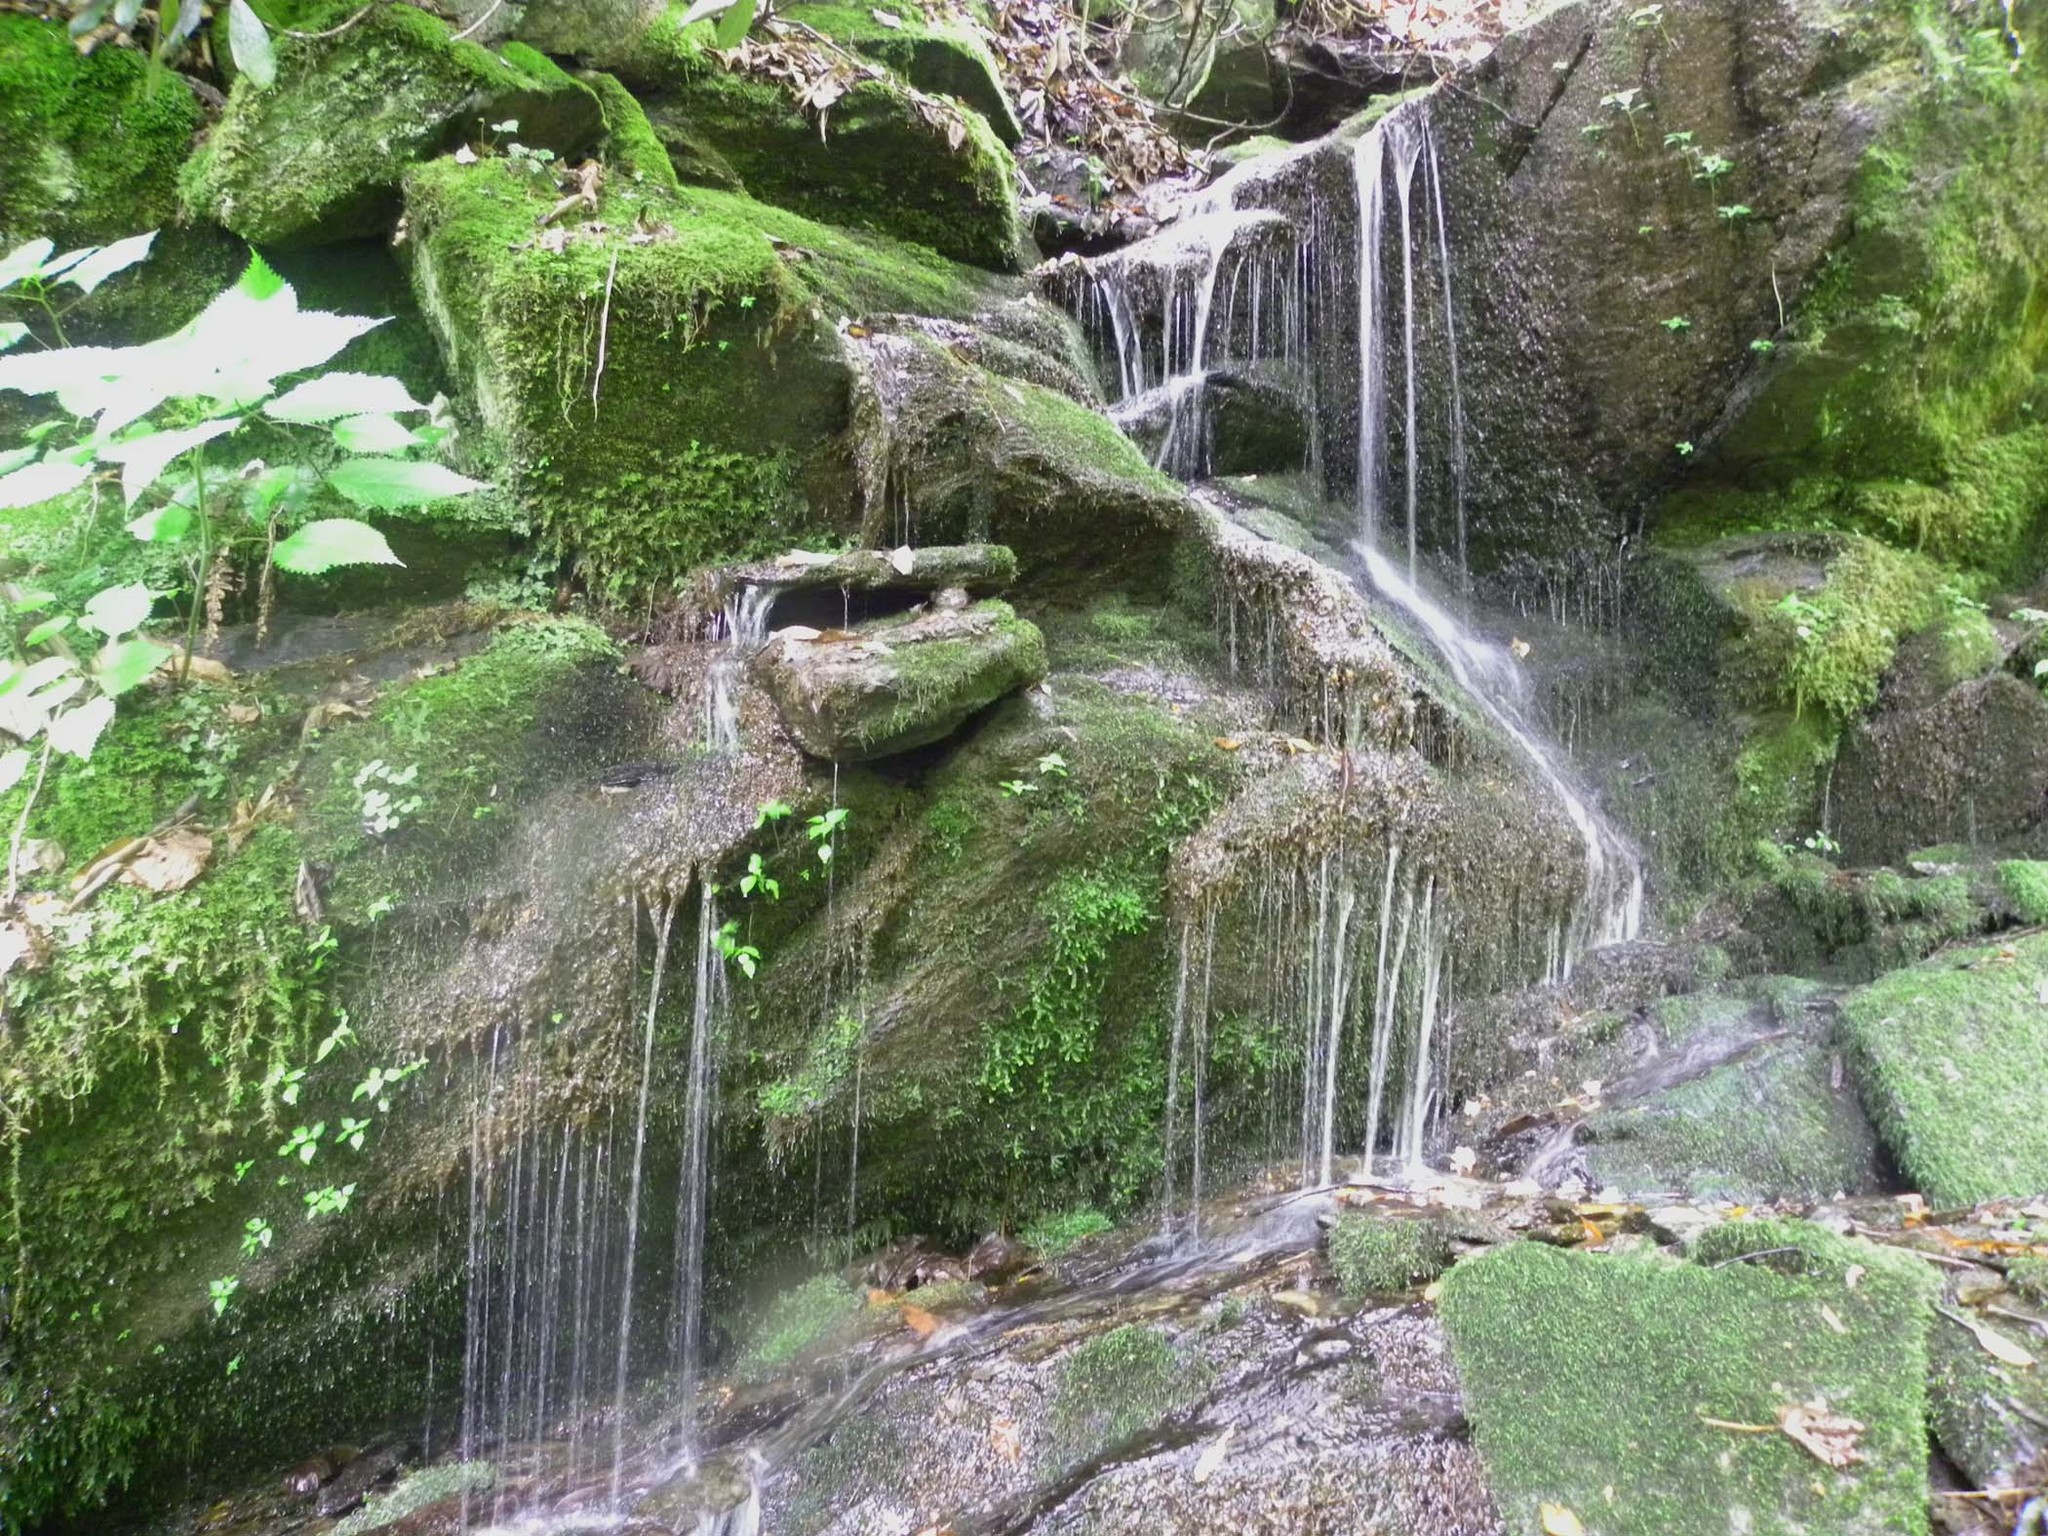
[(604, 329)]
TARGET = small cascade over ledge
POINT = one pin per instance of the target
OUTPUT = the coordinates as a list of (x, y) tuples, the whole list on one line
[(1324, 279)]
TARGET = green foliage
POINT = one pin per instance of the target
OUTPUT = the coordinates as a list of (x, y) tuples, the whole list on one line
[(1829, 650), (1588, 1380), (2026, 887), (417, 1490), (1053, 1235), (798, 1321), (1386, 1255)]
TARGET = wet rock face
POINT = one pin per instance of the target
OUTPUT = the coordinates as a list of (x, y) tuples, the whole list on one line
[(889, 686), (1971, 767)]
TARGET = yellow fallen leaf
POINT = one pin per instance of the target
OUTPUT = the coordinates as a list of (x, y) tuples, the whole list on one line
[(1228, 743), (1992, 1342), (170, 862), (1559, 1521), (919, 1321)]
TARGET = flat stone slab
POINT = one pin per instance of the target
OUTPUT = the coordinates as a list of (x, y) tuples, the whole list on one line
[(899, 683)]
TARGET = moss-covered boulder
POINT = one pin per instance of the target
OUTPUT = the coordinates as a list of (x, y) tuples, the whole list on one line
[(890, 686), (1385, 1255), (92, 142), (1617, 1388), (1945, 1054), (652, 386), (942, 54), (1737, 1100), (956, 452), (1989, 1414), (319, 155), (814, 130)]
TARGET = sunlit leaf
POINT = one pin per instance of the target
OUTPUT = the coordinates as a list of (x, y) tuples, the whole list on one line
[(37, 674), (732, 27), (390, 484), (143, 459), (259, 280), (375, 434), (13, 768), (342, 394), (116, 611), (39, 482), (127, 662), (110, 259), (249, 43), (702, 10), (25, 260), (77, 731), (166, 525), (57, 266), (48, 629), (332, 541)]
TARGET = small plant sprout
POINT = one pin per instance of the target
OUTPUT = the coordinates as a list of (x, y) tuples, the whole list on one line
[(1711, 168), (1819, 842), (1681, 140), (757, 878), (242, 1168), (354, 1132), (1018, 787), (378, 1085), (382, 810), (256, 1236), (1052, 765), (1686, 450), (1736, 213), (221, 1290), (745, 956), (1629, 104), (1646, 17), (1677, 325), (1593, 130), (331, 1201), (1763, 346), (305, 1142), (770, 811), (1645, 231), (822, 829)]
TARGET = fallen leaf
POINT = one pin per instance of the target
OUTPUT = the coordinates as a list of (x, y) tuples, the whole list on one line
[(1297, 747), (170, 862), (886, 19), (1559, 1521), (1212, 1458), (920, 1322), (1853, 1275), (1228, 743), (1009, 1444), (1519, 648), (1993, 1343), (903, 560), (1464, 1160), (201, 669), (465, 155), (1830, 1438), (799, 632), (1828, 1316)]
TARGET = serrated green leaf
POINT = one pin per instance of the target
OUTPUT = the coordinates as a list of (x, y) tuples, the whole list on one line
[(143, 459), (375, 434), (25, 260), (392, 484), (39, 482), (334, 395), (76, 732), (103, 263), (117, 611), (166, 525), (332, 541), (46, 630), (249, 43), (259, 280), (125, 663)]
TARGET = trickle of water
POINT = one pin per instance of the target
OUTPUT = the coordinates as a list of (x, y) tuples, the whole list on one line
[(743, 630), (699, 1104)]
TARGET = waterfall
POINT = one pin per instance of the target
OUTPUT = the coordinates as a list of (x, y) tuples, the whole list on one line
[(743, 630)]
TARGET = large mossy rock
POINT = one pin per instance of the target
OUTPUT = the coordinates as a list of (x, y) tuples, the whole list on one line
[(1945, 1056), (942, 55), (892, 686), (653, 398), (878, 156), (1589, 1382), (319, 155), (91, 143)]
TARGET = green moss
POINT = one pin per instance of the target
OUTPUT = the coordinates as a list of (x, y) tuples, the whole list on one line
[(944, 58), (1116, 1386), (889, 160), (1860, 923), (415, 1491), (318, 156), (1940, 1051), (718, 369), (630, 142), (2029, 1277), (92, 143), (1973, 1398), (798, 1321), (2026, 886), (939, 674), (1386, 1255), (1061, 1232), (1778, 774), (1588, 1380)]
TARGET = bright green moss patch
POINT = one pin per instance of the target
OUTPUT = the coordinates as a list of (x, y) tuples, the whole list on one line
[(943, 57), (417, 1490), (2026, 886), (631, 145), (798, 1321), (1948, 1056), (1588, 1380), (1051, 1236), (1385, 1255), (318, 156), (1116, 1386), (91, 144)]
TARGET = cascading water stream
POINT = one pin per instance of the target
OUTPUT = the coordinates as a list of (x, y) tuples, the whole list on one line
[(743, 631)]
